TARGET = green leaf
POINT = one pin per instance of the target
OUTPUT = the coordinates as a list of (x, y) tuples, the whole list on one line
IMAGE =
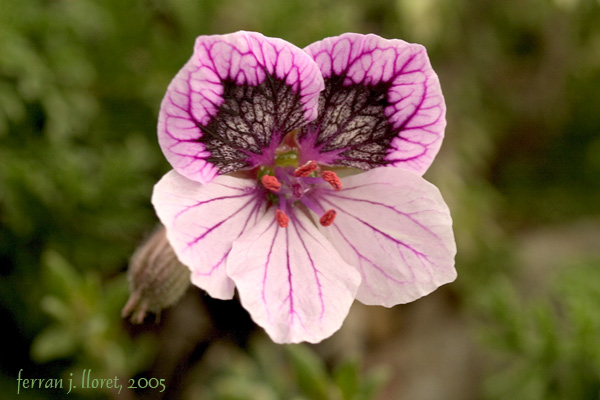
[(346, 378), (52, 343), (57, 308), (373, 383), (310, 372), (61, 276)]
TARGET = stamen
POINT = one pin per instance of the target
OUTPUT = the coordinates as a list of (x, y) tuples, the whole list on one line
[(332, 178), (306, 169), (271, 183), (281, 218), (328, 218)]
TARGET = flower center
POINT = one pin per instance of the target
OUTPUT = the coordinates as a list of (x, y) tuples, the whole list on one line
[(291, 187)]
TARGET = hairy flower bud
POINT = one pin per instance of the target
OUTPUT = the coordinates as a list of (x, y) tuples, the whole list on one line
[(157, 279)]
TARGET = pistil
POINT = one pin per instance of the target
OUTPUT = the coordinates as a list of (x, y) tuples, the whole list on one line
[(289, 187)]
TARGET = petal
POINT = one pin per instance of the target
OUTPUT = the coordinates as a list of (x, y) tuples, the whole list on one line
[(396, 229), (202, 222), (382, 105), (229, 106), (291, 280)]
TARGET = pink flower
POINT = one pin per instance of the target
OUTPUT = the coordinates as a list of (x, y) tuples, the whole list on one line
[(257, 129)]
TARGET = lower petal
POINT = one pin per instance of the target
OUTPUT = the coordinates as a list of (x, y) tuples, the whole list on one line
[(395, 227), (291, 280), (202, 222)]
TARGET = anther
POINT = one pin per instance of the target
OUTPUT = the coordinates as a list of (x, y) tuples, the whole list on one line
[(306, 169), (328, 218), (271, 183), (332, 178), (281, 218)]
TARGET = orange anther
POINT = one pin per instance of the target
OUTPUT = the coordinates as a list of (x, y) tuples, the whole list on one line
[(281, 218), (332, 178), (328, 218), (306, 169), (271, 183)]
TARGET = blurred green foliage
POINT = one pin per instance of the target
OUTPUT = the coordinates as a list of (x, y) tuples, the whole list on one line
[(548, 344), (80, 86), (264, 373), (86, 322)]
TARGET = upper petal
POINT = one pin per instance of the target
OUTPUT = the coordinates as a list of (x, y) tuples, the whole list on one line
[(382, 105), (202, 221), (229, 105), (396, 229), (291, 280)]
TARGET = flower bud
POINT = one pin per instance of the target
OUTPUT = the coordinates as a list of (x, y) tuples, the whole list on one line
[(157, 279)]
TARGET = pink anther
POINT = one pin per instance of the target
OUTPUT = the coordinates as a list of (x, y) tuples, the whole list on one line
[(282, 218), (328, 218), (332, 178), (306, 169), (271, 183)]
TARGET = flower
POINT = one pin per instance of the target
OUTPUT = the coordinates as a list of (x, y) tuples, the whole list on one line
[(259, 132)]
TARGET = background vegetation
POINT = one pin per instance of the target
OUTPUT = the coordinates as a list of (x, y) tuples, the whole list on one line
[(80, 86)]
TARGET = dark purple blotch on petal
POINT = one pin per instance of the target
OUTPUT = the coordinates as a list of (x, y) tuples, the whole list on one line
[(251, 123), (232, 102), (351, 128), (382, 105)]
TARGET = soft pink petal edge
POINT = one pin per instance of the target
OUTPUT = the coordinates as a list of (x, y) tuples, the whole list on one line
[(396, 229), (202, 221)]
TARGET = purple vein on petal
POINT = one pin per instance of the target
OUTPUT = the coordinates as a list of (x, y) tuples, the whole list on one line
[(200, 203), (312, 263), (198, 238), (399, 242), (423, 259), (264, 280), (363, 257), (407, 215), (254, 212), (292, 312), (214, 267)]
